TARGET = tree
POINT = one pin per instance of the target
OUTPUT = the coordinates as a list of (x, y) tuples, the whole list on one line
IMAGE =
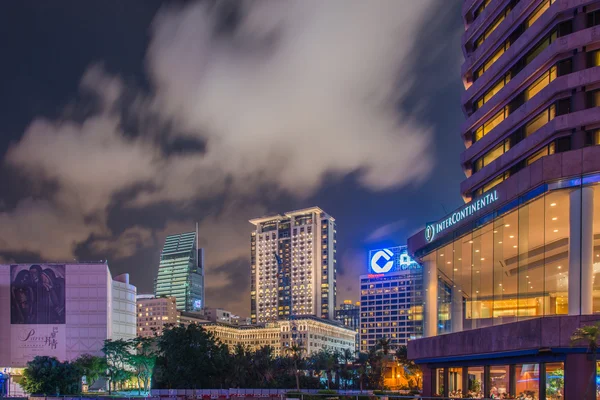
[(92, 367), (48, 376), (143, 361), (383, 344), (117, 354), (190, 357), (295, 351), (589, 335), (411, 370)]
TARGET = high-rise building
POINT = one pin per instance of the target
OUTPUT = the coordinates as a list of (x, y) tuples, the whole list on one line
[(510, 275), (391, 298), (348, 313), (153, 313), (293, 265), (181, 272)]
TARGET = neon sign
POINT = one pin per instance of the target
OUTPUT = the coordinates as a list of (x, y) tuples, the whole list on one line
[(432, 230), (392, 259)]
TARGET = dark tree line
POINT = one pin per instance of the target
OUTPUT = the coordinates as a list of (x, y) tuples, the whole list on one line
[(190, 357)]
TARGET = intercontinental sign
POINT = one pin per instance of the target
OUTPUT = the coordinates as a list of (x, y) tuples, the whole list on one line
[(432, 230)]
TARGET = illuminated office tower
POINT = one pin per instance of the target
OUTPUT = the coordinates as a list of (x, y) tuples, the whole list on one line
[(293, 265), (181, 272)]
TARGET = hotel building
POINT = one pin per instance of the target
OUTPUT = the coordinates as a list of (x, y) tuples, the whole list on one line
[(293, 265), (311, 333), (511, 274), (153, 313), (181, 272), (391, 297)]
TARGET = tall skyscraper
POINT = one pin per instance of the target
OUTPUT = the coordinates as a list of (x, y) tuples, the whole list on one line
[(181, 272), (523, 254), (293, 265)]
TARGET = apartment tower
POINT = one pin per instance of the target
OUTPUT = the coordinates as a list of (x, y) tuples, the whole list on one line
[(293, 265)]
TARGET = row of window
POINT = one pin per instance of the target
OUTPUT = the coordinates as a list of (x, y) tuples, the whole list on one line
[(563, 29)]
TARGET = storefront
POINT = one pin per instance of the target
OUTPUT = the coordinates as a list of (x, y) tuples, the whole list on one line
[(492, 268)]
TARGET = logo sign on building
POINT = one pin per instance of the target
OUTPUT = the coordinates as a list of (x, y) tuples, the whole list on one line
[(392, 259), (433, 230)]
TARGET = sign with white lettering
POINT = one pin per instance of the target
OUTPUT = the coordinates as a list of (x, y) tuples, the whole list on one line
[(29, 341), (392, 259), (432, 230)]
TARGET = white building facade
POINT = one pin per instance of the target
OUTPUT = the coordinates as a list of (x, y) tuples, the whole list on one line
[(61, 310), (293, 266)]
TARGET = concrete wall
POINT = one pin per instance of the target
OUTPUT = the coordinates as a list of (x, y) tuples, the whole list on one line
[(523, 335)]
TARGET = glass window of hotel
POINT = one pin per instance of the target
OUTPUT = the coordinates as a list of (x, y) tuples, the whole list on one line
[(540, 120), (499, 381), (540, 83), (555, 381), (527, 380), (475, 381), (439, 381), (455, 384), (537, 13), (491, 123), (593, 98), (593, 59), (482, 289)]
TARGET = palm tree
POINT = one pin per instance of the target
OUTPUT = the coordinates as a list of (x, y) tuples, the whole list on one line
[(383, 344), (589, 335), (295, 351), (346, 355)]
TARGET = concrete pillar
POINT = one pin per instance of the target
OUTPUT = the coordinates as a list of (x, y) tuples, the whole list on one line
[(578, 371), (457, 310), (428, 380), (581, 251), (430, 305)]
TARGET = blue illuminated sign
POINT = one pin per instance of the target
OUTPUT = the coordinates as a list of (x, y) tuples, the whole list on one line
[(392, 259)]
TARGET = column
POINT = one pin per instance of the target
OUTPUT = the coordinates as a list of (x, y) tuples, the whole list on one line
[(581, 251), (430, 304), (578, 377), (457, 310)]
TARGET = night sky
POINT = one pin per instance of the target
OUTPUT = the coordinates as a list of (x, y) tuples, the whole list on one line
[(124, 121)]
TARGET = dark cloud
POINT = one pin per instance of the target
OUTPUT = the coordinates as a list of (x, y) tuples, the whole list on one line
[(225, 112)]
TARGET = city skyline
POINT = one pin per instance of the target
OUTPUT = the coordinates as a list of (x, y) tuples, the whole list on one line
[(100, 163)]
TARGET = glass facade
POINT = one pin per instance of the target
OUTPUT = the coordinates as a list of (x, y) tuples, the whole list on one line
[(180, 273), (529, 380), (523, 260)]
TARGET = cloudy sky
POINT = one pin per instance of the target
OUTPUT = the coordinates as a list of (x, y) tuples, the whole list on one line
[(124, 121)]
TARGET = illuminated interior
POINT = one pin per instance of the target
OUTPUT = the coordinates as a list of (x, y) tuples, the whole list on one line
[(513, 268)]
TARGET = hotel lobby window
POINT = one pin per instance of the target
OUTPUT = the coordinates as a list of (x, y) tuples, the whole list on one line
[(499, 380), (475, 382), (516, 266), (455, 376), (528, 380), (555, 381), (439, 381)]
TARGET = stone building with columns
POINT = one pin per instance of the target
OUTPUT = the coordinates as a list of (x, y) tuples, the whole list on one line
[(510, 275)]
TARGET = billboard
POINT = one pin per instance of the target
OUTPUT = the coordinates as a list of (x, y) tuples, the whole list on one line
[(37, 312), (37, 294), (391, 259)]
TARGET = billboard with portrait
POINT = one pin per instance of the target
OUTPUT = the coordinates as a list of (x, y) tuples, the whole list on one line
[(37, 294), (37, 312)]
